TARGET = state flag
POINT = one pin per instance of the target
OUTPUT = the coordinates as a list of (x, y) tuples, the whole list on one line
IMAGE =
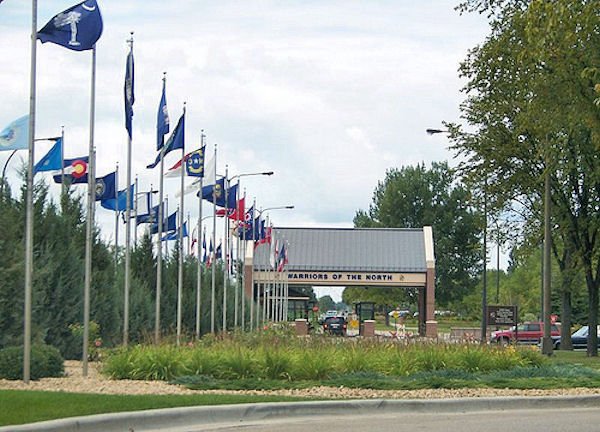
[(51, 160), (106, 187), (77, 28), (15, 136)]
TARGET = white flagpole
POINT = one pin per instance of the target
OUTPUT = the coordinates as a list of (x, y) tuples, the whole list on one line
[(135, 211), (180, 245), (238, 276), (128, 220), (225, 251), (90, 219), (212, 261), (62, 161), (29, 214), (159, 245), (243, 275), (116, 219), (264, 286), (287, 285), (252, 272), (189, 234), (199, 248)]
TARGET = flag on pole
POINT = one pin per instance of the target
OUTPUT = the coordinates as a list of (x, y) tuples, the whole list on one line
[(175, 234), (175, 170), (194, 164), (128, 92), (273, 254), (207, 194), (240, 215), (222, 212), (52, 160), (282, 259), (218, 253), (77, 28), (120, 203), (162, 119), (210, 173), (170, 224), (175, 141), (142, 203), (15, 136), (150, 217), (210, 251), (194, 241), (204, 246), (75, 170), (106, 187)]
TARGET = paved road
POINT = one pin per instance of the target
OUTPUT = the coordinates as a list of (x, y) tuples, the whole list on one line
[(555, 420)]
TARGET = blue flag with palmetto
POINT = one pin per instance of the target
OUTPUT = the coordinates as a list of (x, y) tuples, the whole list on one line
[(77, 28), (128, 92)]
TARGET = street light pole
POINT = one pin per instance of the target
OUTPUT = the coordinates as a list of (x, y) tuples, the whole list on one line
[(240, 286), (431, 131)]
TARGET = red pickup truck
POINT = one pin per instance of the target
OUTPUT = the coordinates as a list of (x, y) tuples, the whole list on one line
[(527, 333)]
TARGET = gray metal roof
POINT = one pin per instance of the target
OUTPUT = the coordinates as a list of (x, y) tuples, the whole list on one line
[(398, 250)]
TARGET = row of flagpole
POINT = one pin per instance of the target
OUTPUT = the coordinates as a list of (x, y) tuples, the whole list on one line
[(87, 17)]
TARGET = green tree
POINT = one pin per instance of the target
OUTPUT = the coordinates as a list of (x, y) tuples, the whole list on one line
[(412, 197), (533, 107), (326, 303)]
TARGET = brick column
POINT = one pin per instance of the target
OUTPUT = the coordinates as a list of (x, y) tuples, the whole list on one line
[(430, 322)]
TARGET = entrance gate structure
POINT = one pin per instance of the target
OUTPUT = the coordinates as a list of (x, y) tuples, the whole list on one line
[(372, 257)]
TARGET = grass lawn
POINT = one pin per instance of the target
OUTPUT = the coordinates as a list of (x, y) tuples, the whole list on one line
[(576, 357), (24, 406)]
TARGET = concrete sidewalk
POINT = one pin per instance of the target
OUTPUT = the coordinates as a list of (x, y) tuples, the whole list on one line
[(204, 415)]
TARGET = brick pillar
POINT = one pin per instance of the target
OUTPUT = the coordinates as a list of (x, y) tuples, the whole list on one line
[(430, 322), (301, 327), (421, 317), (248, 281), (368, 328)]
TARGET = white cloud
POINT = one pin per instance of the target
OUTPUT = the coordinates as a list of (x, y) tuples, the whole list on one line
[(328, 94)]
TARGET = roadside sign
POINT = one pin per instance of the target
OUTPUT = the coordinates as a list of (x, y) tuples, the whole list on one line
[(502, 315)]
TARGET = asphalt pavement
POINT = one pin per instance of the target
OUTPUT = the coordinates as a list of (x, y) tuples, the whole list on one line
[(565, 414)]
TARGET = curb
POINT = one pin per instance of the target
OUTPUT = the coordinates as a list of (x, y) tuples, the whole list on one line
[(179, 417)]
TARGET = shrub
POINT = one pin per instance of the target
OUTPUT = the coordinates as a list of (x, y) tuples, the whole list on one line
[(46, 361)]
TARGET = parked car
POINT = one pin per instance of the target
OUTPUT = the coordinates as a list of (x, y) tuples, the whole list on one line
[(336, 325), (579, 339), (527, 333)]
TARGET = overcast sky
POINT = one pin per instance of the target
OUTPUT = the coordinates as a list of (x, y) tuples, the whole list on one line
[(328, 94)]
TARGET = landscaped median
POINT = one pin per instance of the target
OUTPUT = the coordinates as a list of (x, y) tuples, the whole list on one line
[(276, 366), (275, 360)]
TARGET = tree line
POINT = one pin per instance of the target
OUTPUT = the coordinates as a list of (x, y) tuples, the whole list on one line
[(59, 249)]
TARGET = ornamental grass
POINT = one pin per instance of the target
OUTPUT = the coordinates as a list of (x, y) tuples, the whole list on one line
[(278, 355)]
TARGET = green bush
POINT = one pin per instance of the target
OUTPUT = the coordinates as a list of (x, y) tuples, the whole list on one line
[(46, 361)]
